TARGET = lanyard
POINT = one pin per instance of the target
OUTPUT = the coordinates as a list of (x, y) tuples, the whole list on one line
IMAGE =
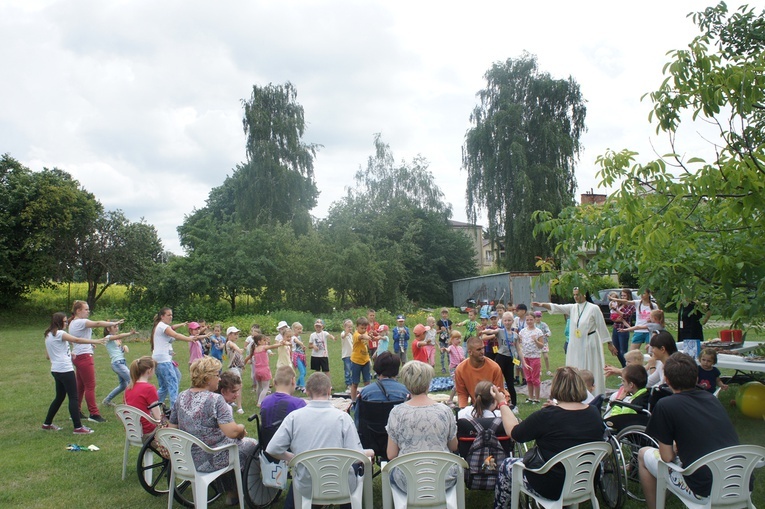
[(580, 313)]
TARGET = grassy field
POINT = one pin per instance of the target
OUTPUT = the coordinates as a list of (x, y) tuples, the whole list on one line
[(40, 472)]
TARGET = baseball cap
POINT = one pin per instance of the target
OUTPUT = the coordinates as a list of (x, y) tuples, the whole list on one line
[(382, 328), (494, 314), (231, 329), (537, 313), (193, 325), (281, 324), (319, 321), (420, 329), (484, 315), (400, 317)]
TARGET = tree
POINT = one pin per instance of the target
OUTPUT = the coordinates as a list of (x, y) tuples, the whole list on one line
[(40, 212), (115, 251), (276, 184), (690, 227), (520, 154)]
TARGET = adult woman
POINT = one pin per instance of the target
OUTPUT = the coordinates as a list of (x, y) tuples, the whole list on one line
[(565, 423), (61, 368), (206, 415), (621, 338), (81, 327), (142, 394), (162, 335), (643, 307), (420, 424), (662, 346)]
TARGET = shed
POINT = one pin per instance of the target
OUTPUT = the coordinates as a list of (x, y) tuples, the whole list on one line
[(505, 287)]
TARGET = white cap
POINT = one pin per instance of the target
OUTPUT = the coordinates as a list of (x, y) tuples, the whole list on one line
[(282, 324), (231, 329)]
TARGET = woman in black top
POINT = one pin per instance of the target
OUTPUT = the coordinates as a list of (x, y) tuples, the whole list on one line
[(562, 423)]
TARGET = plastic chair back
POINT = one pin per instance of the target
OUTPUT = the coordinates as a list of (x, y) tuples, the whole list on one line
[(131, 420), (425, 473), (329, 470)]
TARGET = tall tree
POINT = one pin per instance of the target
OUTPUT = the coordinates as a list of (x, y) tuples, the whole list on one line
[(40, 213), (521, 152), (276, 183), (689, 227)]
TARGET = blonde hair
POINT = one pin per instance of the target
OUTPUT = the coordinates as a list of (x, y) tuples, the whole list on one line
[(657, 315), (202, 370), (297, 324), (456, 334), (587, 377), (430, 319), (568, 386), (284, 376), (483, 398), (633, 357), (416, 376), (347, 322)]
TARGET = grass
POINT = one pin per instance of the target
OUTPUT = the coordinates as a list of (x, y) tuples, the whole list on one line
[(40, 472)]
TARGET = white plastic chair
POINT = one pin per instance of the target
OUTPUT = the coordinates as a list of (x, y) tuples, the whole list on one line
[(179, 444), (731, 468), (329, 469), (131, 420), (425, 473), (580, 463)]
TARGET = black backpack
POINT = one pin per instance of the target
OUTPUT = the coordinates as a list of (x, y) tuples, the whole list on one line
[(484, 456)]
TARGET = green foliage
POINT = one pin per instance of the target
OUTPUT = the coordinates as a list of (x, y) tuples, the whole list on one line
[(690, 227), (520, 154)]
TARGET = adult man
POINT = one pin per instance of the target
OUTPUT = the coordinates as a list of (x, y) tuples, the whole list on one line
[(474, 369), (694, 420), (587, 334), (317, 425), (418, 344), (276, 406)]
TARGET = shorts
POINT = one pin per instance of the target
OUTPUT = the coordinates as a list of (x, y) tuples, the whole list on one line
[(263, 375), (451, 371), (359, 370), (320, 364), (641, 337), (651, 462)]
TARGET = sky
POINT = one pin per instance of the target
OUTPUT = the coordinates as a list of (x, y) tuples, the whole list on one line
[(141, 101)]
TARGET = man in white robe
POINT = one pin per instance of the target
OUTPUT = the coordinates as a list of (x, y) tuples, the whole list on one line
[(587, 333)]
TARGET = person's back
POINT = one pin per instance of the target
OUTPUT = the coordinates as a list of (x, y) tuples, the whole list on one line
[(275, 407)]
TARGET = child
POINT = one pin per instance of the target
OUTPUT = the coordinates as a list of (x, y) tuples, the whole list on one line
[(400, 338), (236, 359), (196, 350), (298, 355), (444, 332), (532, 341), (470, 328), (430, 340), (259, 358), (372, 331), (346, 341), (218, 343), (709, 375), (382, 342), (360, 356), (284, 352), (318, 344), (613, 306), (490, 336), (654, 325), (117, 353), (634, 378), (546, 331), (249, 344), (484, 406), (456, 355), (520, 323), (589, 383)]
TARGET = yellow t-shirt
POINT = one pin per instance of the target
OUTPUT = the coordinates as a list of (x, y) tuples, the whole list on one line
[(360, 353)]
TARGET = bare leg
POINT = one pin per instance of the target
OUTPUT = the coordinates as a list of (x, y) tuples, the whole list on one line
[(354, 391), (647, 481)]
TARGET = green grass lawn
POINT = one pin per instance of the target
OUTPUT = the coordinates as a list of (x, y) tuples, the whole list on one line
[(38, 471)]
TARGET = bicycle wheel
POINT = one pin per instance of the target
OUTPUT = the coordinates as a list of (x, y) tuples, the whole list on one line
[(631, 440), (184, 494), (610, 477), (256, 494), (153, 470)]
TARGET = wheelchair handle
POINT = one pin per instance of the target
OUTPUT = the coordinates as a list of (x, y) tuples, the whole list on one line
[(638, 408)]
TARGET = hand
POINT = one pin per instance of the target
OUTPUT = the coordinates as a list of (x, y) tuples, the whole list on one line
[(102, 341), (612, 349), (536, 304), (498, 394), (119, 322)]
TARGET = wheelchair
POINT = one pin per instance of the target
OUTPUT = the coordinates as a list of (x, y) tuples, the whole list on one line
[(256, 494), (372, 419)]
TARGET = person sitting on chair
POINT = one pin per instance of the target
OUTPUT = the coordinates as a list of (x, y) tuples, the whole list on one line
[(276, 406), (692, 419), (387, 388), (317, 425)]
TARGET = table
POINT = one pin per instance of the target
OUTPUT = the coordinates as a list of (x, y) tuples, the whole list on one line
[(745, 371)]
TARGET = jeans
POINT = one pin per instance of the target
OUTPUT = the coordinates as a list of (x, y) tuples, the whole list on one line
[(347, 370), (123, 373), (167, 376), (621, 340), (66, 386), (85, 372), (301, 372)]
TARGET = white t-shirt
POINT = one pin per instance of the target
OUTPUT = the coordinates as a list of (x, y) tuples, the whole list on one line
[(58, 351), (642, 312), (346, 342), (162, 349), (78, 329), (657, 376), (466, 412), (319, 339)]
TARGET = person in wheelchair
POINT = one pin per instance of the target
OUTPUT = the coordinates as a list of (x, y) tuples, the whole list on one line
[(618, 417)]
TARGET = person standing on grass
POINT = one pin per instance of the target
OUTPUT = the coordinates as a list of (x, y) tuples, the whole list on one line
[(360, 356), (444, 333), (61, 368), (162, 335), (117, 353), (81, 327), (317, 342), (401, 338)]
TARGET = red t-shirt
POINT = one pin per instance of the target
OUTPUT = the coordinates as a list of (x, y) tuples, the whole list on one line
[(419, 353), (141, 396)]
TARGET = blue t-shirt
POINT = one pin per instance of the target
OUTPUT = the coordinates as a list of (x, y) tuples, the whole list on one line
[(708, 379)]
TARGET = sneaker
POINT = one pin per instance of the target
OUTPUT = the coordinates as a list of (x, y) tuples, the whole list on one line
[(523, 383), (96, 418), (51, 427), (240, 411), (108, 403), (83, 430)]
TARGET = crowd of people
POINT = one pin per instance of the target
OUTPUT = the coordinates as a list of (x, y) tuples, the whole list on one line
[(505, 348)]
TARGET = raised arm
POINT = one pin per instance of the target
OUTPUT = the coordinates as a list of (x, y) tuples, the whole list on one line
[(100, 323), (83, 341)]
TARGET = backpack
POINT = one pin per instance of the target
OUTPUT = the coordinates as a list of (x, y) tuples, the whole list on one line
[(484, 456)]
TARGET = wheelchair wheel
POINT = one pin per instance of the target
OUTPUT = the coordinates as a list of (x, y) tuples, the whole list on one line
[(153, 470), (256, 494), (610, 477), (631, 440), (184, 493)]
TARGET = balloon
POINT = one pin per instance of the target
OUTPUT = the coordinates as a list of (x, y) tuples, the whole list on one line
[(750, 399)]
